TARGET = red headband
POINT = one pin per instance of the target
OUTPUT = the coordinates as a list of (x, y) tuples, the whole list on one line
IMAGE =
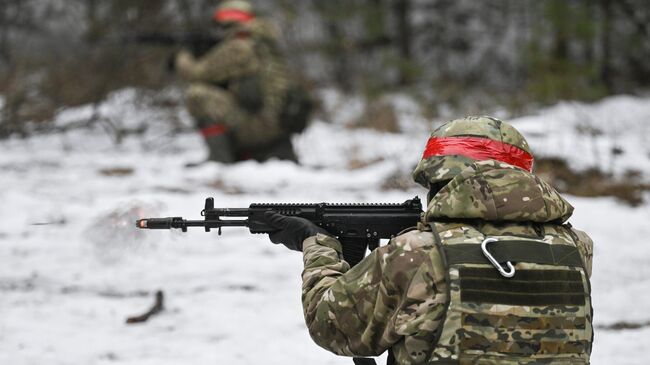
[(479, 148), (232, 15)]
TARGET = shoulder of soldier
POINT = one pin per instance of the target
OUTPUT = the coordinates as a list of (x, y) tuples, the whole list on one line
[(581, 235), (413, 238), (581, 239), (585, 246), (423, 235), (411, 259), (262, 28), (237, 42), (231, 48), (418, 244)]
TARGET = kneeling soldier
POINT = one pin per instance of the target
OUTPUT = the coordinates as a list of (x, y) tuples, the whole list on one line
[(241, 96)]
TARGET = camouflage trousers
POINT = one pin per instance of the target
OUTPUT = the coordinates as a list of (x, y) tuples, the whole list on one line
[(231, 132)]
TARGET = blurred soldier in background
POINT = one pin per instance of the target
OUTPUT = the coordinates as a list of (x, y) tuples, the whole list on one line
[(240, 94), (493, 273)]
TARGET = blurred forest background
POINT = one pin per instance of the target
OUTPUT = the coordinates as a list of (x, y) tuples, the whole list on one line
[(94, 134), (457, 54)]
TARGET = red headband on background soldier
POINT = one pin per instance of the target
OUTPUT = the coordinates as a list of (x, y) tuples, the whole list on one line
[(232, 15)]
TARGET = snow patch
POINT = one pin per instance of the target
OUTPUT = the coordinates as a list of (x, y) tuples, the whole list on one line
[(73, 267), (611, 135)]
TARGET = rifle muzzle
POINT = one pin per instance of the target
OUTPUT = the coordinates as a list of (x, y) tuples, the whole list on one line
[(157, 223)]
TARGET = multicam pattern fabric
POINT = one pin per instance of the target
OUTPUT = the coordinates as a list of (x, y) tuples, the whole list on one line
[(394, 298), (495, 191), (586, 247), (240, 67), (398, 297), (241, 5), (441, 168)]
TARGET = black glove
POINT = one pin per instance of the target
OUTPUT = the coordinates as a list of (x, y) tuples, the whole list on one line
[(291, 230)]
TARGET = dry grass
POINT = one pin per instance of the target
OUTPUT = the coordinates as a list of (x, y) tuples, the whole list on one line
[(591, 182), (399, 180), (116, 171), (35, 90), (379, 115)]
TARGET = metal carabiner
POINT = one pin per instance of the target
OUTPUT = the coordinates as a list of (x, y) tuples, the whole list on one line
[(511, 269)]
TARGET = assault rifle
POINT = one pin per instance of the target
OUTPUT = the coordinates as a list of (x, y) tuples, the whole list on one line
[(357, 226)]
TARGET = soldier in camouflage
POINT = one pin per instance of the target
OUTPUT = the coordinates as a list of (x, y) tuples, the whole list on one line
[(238, 90), (432, 295)]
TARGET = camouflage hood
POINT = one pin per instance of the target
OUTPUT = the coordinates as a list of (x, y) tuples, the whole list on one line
[(263, 30), (495, 191), (258, 30)]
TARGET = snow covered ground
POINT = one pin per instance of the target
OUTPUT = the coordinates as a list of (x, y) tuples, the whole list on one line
[(73, 267)]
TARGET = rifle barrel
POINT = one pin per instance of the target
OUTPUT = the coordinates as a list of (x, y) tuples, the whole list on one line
[(178, 222)]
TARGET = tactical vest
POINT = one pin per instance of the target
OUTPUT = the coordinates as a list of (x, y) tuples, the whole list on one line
[(262, 91), (271, 88), (272, 78), (540, 315)]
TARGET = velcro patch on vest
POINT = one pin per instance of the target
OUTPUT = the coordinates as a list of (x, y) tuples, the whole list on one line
[(516, 251), (527, 288)]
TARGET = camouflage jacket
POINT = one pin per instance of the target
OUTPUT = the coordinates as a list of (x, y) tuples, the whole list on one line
[(248, 64), (398, 296)]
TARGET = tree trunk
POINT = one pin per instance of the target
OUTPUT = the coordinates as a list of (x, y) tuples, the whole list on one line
[(92, 19), (342, 74), (404, 37), (336, 43), (4, 36), (561, 21), (605, 42), (185, 11), (589, 46)]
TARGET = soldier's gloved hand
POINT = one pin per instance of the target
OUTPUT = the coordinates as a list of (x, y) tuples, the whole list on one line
[(291, 230), (184, 62)]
